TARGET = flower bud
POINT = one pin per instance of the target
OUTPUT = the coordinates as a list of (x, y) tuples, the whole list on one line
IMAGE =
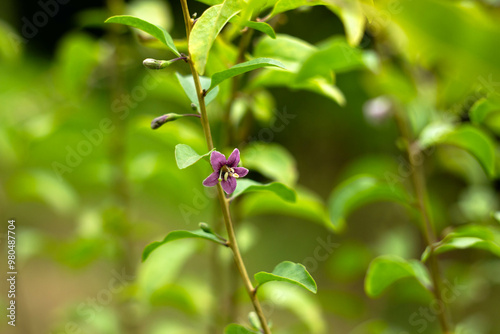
[(377, 110), (154, 64), (159, 121), (206, 228)]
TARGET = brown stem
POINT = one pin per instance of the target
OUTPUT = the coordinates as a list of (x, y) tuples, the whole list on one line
[(419, 187), (224, 203)]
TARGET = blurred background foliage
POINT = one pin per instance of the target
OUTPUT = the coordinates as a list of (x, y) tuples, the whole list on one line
[(90, 184)]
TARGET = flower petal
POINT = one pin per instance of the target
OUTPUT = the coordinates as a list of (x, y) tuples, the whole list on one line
[(229, 185), (217, 160), (241, 171), (234, 158), (211, 180)]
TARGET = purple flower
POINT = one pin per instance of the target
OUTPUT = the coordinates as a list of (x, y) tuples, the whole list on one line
[(225, 171)]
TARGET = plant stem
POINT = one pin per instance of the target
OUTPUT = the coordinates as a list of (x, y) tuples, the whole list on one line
[(419, 187), (224, 203)]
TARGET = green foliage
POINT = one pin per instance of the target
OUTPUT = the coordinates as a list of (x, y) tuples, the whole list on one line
[(176, 235), (241, 68), (386, 270), (207, 28), (185, 156), (286, 271), (187, 84), (161, 34), (247, 185), (238, 329), (358, 191)]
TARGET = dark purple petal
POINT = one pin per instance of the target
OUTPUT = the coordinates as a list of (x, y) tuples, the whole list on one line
[(229, 185), (234, 158), (217, 160), (241, 171), (211, 180)]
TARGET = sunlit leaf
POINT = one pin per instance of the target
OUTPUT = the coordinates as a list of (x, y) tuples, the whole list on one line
[(247, 185), (386, 270), (358, 191), (473, 236), (207, 28), (185, 156), (189, 87), (482, 109), (288, 49), (161, 34), (175, 296), (176, 235), (238, 329), (271, 160), (286, 271), (262, 27), (241, 68)]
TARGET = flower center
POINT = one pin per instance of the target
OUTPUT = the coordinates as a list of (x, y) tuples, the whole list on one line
[(226, 172)]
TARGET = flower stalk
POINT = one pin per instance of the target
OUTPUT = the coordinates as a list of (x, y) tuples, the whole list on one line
[(224, 202)]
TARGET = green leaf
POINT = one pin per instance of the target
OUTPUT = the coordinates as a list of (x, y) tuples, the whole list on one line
[(290, 272), (187, 84), (262, 27), (241, 68), (387, 269), (161, 34), (238, 329), (286, 5), (308, 206), (358, 191), (272, 161), (476, 142), (247, 185), (207, 28), (482, 109), (336, 55), (288, 49), (474, 236), (176, 235), (185, 156)]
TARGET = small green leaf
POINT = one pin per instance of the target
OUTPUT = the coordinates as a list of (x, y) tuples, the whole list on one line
[(175, 235), (474, 236), (161, 34), (290, 272), (185, 156), (483, 108), (286, 5), (241, 68), (246, 185), (238, 329), (476, 142), (187, 84), (288, 49), (262, 27), (358, 191), (387, 269), (207, 28)]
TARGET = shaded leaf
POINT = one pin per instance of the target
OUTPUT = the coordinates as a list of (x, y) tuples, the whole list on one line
[(241, 68), (207, 28), (185, 156), (387, 269), (482, 109), (262, 27), (286, 271), (187, 84), (176, 235), (247, 185), (161, 34), (358, 191)]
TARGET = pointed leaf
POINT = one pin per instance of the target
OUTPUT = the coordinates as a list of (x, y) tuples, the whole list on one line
[(187, 84), (387, 269), (474, 236), (238, 329), (241, 68), (185, 156), (207, 28), (161, 34), (476, 142), (247, 185), (290, 272), (176, 235), (358, 191), (262, 27)]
